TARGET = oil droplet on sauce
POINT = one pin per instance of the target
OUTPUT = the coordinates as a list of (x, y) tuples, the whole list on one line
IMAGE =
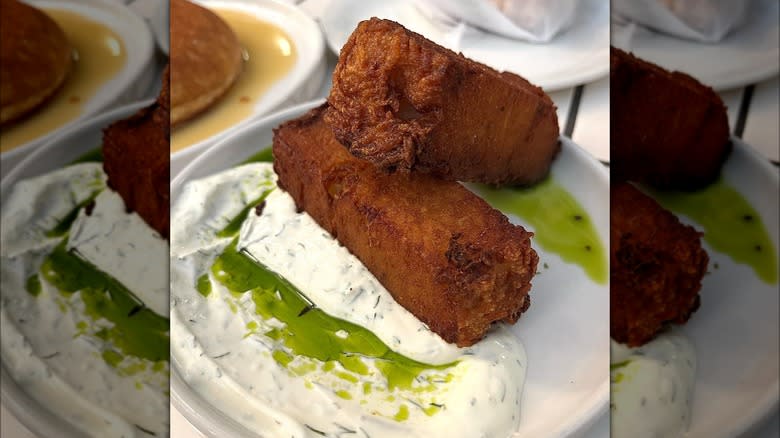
[(269, 54), (99, 54)]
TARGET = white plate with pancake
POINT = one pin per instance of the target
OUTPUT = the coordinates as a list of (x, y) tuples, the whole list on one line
[(578, 55), (565, 332), (302, 81), (751, 49), (134, 79)]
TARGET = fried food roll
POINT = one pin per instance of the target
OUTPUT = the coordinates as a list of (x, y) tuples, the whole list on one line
[(136, 158), (403, 102), (667, 129), (656, 267), (443, 253)]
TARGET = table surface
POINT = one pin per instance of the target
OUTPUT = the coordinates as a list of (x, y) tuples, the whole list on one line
[(583, 115)]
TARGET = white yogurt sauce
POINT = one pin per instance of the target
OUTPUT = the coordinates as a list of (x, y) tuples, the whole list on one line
[(49, 343), (137, 256), (652, 386), (220, 349)]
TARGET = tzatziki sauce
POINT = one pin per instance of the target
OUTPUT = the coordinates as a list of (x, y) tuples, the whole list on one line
[(285, 332), (652, 387), (96, 357)]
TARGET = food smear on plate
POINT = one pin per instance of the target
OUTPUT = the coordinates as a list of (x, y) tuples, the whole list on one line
[(286, 331), (730, 224), (95, 55), (443, 253), (223, 61), (652, 387), (559, 223), (89, 348), (407, 104)]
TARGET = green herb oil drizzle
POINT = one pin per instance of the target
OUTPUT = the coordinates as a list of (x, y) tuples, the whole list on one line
[(234, 226), (730, 224), (560, 223), (137, 330), (309, 331)]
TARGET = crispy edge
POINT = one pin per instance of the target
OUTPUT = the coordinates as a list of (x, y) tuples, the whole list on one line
[(656, 267), (136, 158)]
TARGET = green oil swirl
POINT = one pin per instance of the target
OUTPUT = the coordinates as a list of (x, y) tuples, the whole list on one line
[(264, 156), (91, 156), (234, 226), (33, 285), (63, 225), (731, 225), (559, 222), (308, 331), (137, 331)]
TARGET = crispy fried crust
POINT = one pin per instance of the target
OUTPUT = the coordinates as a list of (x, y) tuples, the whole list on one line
[(656, 267), (667, 129), (137, 161), (442, 252), (35, 58), (403, 102)]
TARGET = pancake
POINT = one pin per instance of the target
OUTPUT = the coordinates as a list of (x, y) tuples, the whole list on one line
[(35, 58), (205, 59)]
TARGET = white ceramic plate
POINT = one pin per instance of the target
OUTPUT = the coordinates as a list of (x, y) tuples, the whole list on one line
[(577, 56), (131, 83), (566, 332), (68, 145), (300, 84), (746, 56), (735, 331)]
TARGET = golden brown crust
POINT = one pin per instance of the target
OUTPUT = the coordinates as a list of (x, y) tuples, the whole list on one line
[(405, 103), (656, 267), (205, 59), (35, 58), (442, 252), (667, 129), (136, 158)]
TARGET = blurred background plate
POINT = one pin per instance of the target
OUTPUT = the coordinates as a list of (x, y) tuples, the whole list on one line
[(735, 331), (132, 82), (747, 55), (578, 55)]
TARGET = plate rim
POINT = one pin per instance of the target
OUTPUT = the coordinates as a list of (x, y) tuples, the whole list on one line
[(591, 73)]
